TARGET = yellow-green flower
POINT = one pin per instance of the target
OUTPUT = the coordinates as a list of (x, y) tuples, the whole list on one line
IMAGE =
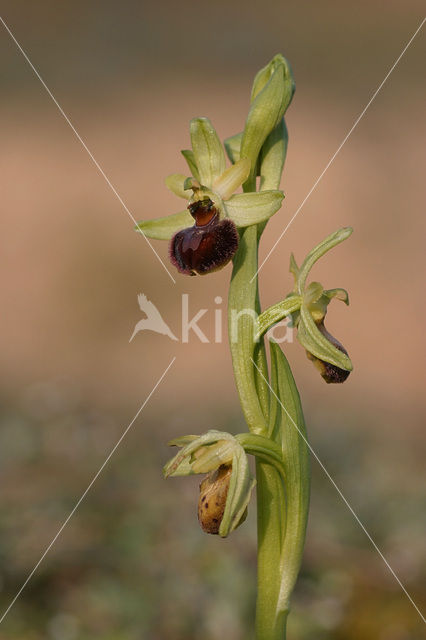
[(210, 242), (307, 308), (226, 490)]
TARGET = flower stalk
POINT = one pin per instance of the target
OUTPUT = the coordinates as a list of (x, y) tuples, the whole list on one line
[(218, 226)]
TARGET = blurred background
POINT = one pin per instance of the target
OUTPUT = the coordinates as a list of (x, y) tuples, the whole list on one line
[(132, 563)]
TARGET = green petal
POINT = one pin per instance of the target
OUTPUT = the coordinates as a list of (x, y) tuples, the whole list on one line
[(188, 154), (312, 339), (175, 183), (246, 209), (276, 313), (328, 243), (232, 178), (165, 228), (208, 151), (233, 146)]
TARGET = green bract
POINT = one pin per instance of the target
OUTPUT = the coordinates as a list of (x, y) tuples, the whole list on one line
[(211, 178)]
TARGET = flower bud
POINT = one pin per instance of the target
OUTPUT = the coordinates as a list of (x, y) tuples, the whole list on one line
[(330, 372)]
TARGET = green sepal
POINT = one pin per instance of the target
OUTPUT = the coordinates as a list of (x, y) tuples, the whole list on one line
[(176, 183), (276, 313), (208, 151), (189, 445), (233, 147), (210, 457), (312, 339), (328, 243), (188, 154), (182, 441), (165, 228), (246, 209)]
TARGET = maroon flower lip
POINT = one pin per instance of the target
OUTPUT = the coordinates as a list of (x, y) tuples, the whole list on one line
[(207, 246)]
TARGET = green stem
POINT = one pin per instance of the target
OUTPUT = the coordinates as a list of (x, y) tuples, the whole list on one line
[(253, 391), (243, 302)]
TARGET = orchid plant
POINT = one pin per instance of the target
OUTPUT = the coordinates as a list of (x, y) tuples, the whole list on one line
[(217, 226)]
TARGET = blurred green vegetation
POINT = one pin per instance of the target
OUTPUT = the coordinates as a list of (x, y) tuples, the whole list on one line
[(132, 562)]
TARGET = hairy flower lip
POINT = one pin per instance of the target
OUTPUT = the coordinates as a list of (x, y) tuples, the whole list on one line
[(208, 245)]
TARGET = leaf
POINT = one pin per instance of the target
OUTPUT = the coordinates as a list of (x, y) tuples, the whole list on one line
[(165, 228), (290, 426), (328, 243), (175, 182), (208, 151), (246, 209), (272, 157), (312, 339)]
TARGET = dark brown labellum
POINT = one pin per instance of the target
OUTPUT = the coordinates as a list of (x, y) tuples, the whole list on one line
[(330, 372), (207, 246), (212, 500)]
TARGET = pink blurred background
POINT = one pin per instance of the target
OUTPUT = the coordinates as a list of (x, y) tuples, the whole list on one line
[(130, 76)]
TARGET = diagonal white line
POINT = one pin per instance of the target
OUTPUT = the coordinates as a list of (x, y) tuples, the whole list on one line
[(80, 500), (342, 496), (317, 181), (84, 145)]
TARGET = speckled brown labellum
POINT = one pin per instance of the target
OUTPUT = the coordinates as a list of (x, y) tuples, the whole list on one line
[(330, 372), (207, 246), (212, 500)]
